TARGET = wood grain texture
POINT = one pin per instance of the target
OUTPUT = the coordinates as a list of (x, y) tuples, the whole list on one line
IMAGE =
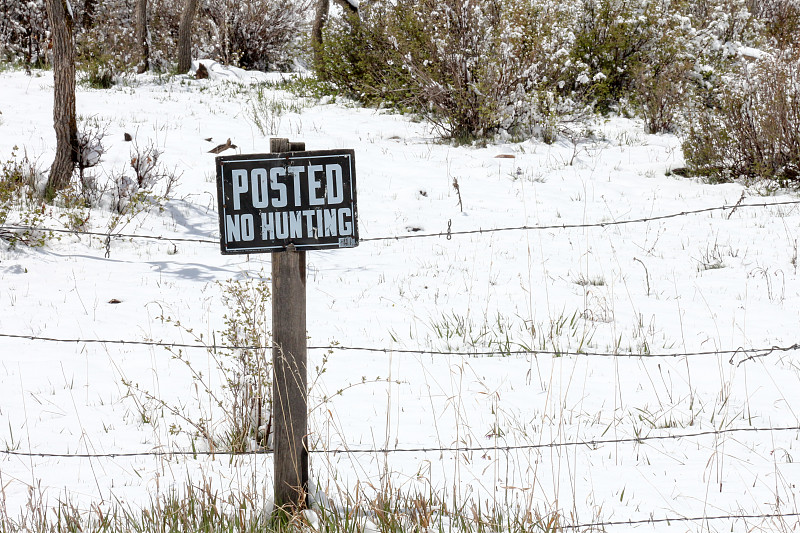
[(289, 382)]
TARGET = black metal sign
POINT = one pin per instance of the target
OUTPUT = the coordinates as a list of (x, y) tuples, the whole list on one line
[(269, 201)]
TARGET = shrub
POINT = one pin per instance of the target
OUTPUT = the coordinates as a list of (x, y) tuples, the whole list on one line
[(265, 111), (781, 21), (660, 94), (477, 67), (254, 34), (356, 57), (19, 205), (234, 402), (248, 371), (14, 184), (23, 31), (638, 51), (107, 45), (466, 65), (755, 131), (133, 194)]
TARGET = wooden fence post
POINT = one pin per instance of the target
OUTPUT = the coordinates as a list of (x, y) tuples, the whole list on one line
[(289, 381)]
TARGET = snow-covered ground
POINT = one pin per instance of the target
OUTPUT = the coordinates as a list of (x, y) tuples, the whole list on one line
[(716, 281)]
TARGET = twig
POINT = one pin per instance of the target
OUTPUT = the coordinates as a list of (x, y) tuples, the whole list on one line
[(646, 274)]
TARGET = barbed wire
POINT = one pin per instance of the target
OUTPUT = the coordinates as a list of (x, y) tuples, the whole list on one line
[(590, 443), (448, 234), (594, 444), (107, 235), (131, 342), (115, 455), (654, 521), (751, 353)]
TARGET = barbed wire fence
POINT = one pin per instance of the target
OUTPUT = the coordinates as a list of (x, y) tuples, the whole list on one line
[(747, 354), (589, 526), (448, 234), (592, 444)]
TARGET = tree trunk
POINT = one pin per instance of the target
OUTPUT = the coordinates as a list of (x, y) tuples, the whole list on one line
[(316, 34), (64, 120), (323, 6), (88, 14), (140, 35), (185, 37)]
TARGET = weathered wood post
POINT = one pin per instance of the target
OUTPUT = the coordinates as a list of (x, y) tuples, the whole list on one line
[(289, 381), (287, 202)]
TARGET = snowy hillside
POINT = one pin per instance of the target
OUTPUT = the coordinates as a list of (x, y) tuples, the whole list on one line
[(633, 365)]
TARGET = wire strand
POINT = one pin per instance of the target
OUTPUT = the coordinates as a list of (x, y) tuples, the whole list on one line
[(107, 235), (750, 352), (456, 449), (593, 525), (447, 233)]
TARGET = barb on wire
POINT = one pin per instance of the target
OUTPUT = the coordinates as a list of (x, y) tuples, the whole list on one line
[(593, 444), (448, 234), (755, 352), (735, 207), (755, 355)]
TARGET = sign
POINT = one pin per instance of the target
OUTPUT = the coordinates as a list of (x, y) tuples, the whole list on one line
[(269, 201)]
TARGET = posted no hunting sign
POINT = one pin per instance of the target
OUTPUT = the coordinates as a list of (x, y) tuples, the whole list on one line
[(269, 201)]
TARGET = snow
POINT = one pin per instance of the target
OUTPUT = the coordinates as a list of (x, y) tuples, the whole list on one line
[(217, 71), (719, 280), (751, 53)]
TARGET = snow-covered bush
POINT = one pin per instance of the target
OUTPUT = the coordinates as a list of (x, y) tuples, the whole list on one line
[(754, 132), (475, 67), (254, 34), (23, 31), (19, 204), (259, 34), (233, 409), (13, 185), (145, 164), (467, 65), (638, 52), (91, 149), (132, 194), (107, 45), (781, 21)]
